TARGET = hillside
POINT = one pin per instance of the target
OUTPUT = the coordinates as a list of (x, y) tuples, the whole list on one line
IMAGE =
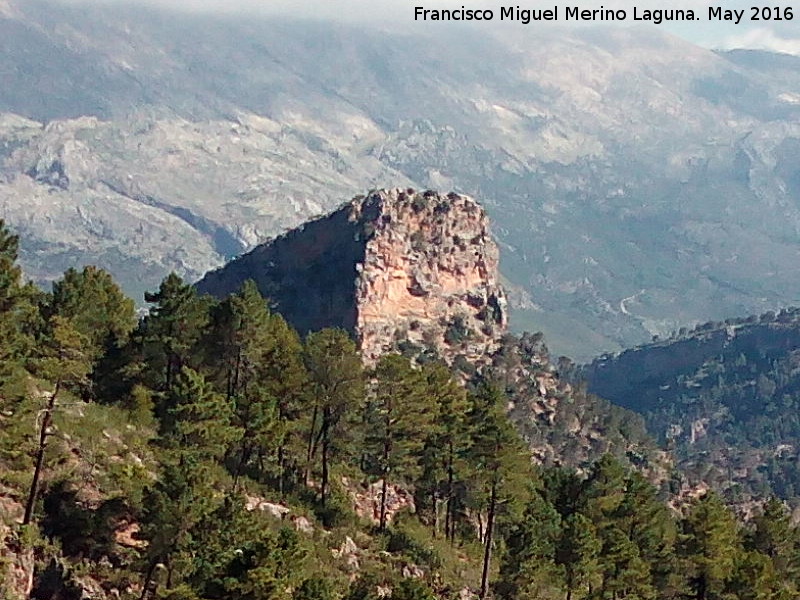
[(418, 273), (617, 165), (207, 452), (722, 396)]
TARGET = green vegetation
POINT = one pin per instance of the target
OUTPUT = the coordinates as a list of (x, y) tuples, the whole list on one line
[(723, 397), (208, 452)]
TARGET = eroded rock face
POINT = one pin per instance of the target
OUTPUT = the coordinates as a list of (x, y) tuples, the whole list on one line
[(429, 276), (401, 270), (16, 561)]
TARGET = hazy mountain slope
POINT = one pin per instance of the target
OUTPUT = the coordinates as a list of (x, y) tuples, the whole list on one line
[(636, 181)]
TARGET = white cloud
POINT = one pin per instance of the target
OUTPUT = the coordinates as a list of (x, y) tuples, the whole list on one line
[(779, 37), (385, 9), (763, 39)]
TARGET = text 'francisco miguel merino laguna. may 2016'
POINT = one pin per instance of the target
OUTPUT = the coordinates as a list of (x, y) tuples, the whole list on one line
[(575, 14)]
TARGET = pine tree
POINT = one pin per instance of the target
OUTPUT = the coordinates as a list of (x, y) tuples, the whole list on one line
[(17, 312), (710, 546), (170, 333), (755, 578), (624, 573), (96, 306), (246, 558), (604, 491), (199, 425), (605, 502), (336, 385), (445, 446), (774, 536), (285, 377), (647, 522), (64, 361), (241, 350), (579, 551), (398, 419), (197, 433), (501, 463), (529, 569)]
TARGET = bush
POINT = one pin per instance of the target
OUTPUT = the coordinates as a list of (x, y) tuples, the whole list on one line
[(314, 588), (419, 203), (412, 589), (338, 510), (456, 332), (402, 540)]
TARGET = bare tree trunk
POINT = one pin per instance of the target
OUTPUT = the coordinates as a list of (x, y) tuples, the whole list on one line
[(384, 490), (245, 453), (436, 502), (449, 518), (47, 419), (487, 553), (310, 450), (387, 450), (325, 450), (281, 470), (148, 589)]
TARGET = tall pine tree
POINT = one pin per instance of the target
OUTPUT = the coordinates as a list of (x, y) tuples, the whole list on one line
[(336, 387), (398, 419), (501, 461)]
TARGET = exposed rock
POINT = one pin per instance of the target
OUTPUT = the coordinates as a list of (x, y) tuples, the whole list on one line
[(367, 501), (417, 273), (399, 269), (302, 525), (126, 534), (89, 588), (16, 562), (276, 510), (466, 594), (348, 551), (573, 142), (413, 571), (279, 511)]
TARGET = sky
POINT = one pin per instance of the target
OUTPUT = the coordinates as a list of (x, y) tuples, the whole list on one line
[(780, 36)]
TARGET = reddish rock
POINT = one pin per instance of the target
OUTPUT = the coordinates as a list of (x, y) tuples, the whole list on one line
[(396, 268)]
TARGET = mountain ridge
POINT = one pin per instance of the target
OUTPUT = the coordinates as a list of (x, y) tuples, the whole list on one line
[(720, 396)]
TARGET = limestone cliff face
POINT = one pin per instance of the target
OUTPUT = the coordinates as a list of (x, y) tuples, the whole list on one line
[(399, 269)]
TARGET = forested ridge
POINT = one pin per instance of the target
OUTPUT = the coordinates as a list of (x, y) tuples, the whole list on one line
[(206, 451), (723, 397)]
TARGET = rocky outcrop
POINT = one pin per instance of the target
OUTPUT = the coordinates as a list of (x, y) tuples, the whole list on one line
[(367, 499), (418, 273), (399, 269), (16, 560)]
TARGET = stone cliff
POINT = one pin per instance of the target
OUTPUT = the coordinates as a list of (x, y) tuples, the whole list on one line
[(399, 269), (418, 273)]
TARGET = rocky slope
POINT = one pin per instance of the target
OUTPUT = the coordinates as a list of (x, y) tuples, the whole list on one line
[(16, 562), (636, 182), (417, 272), (395, 268)]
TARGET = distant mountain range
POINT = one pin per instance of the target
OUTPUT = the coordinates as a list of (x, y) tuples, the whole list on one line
[(636, 182)]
